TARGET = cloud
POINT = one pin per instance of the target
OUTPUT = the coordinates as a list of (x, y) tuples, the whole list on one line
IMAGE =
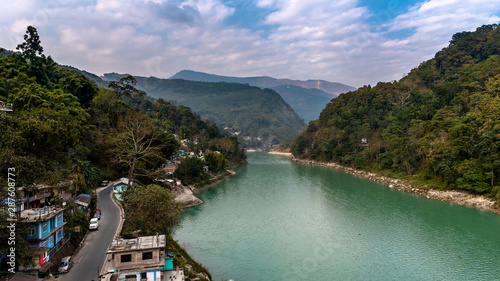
[(185, 14), (340, 40)]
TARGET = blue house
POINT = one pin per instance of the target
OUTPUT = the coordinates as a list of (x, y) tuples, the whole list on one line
[(46, 230)]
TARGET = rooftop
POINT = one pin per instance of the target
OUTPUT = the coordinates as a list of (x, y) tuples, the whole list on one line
[(83, 199), (40, 214), (139, 243)]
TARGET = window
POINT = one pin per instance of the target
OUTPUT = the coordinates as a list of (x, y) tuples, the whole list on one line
[(59, 218), (126, 258), (45, 227), (51, 240), (147, 256), (31, 231)]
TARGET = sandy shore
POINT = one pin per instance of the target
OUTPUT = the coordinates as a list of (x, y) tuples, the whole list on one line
[(280, 153), (457, 197)]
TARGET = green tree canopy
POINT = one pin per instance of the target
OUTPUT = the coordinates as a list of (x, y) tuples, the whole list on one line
[(150, 209)]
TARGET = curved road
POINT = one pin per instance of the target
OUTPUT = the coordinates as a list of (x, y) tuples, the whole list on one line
[(89, 259)]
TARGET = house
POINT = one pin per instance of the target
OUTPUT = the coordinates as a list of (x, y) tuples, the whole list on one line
[(84, 201), (121, 186), (39, 195), (45, 230), (34, 196), (141, 258), (169, 167), (5, 107)]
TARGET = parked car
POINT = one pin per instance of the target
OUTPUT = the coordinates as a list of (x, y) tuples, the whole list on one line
[(97, 214), (104, 183), (65, 264), (94, 223)]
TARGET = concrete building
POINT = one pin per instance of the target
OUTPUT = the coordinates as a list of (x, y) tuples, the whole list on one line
[(140, 259), (46, 230)]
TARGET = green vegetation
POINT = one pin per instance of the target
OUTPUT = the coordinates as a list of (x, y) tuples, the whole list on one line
[(152, 204), (63, 128), (308, 103), (192, 269), (307, 98), (260, 117), (439, 125)]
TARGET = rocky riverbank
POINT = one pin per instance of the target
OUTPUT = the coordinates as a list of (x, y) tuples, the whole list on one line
[(457, 197), (186, 195)]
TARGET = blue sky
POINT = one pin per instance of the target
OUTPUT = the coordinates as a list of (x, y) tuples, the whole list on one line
[(356, 42)]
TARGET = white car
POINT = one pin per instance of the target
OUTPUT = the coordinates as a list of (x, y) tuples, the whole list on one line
[(94, 223), (65, 264)]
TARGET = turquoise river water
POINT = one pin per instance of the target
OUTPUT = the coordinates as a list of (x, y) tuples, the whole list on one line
[(281, 220)]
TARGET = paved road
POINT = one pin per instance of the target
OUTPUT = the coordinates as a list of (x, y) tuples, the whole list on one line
[(90, 258)]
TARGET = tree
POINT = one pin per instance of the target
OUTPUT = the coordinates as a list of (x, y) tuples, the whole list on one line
[(29, 49), (150, 209), (136, 146), (31, 45), (216, 162), (190, 170), (124, 87)]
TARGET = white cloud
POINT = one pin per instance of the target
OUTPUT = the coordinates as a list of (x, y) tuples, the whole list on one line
[(323, 39)]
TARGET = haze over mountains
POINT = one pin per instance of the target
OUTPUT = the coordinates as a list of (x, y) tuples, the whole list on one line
[(259, 117), (265, 81), (262, 111), (307, 98)]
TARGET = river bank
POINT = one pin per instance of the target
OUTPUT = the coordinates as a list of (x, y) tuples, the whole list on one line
[(457, 197), (186, 195), (274, 152)]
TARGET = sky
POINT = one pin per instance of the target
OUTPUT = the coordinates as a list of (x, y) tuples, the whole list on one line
[(355, 42)]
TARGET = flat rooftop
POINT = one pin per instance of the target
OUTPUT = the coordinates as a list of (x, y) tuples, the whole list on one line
[(137, 244), (40, 214)]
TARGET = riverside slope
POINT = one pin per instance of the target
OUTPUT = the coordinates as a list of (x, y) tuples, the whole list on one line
[(457, 197)]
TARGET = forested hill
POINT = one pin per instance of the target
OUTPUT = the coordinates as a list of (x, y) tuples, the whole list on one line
[(57, 126), (260, 117), (307, 98), (439, 125), (308, 103)]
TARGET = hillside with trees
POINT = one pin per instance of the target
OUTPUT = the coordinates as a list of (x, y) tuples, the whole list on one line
[(438, 126), (258, 117), (307, 98), (59, 127), (308, 103)]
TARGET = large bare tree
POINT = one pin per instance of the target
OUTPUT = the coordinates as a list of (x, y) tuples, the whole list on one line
[(137, 145)]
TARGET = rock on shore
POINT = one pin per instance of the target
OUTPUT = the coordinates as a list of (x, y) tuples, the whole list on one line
[(186, 197), (457, 197)]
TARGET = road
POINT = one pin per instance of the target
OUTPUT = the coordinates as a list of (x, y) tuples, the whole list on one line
[(90, 258)]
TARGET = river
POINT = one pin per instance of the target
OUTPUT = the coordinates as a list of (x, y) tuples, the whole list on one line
[(281, 220)]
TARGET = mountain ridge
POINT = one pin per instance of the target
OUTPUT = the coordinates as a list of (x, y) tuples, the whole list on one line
[(259, 117), (334, 88)]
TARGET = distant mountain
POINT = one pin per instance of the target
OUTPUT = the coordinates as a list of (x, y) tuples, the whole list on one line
[(265, 81), (4, 52), (260, 117), (308, 103), (307, 98)]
